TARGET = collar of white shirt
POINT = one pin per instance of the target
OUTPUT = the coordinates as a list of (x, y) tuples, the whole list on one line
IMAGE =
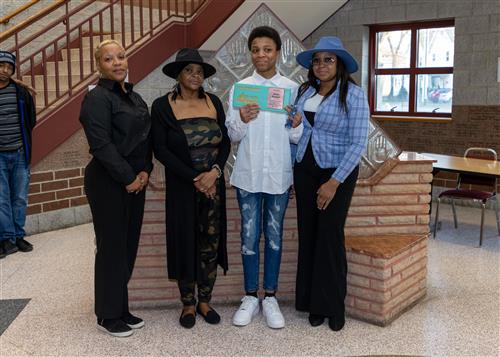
[(274, 80)]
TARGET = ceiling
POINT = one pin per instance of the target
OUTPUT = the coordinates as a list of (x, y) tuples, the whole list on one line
[(301, 16)]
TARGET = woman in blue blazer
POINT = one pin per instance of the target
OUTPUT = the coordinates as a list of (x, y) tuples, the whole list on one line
[(325, 174)]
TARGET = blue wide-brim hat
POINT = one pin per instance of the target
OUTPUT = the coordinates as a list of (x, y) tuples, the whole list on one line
[(329, 44)]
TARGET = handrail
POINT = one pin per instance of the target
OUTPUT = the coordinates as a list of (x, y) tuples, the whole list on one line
[(63, 64), (6, 18), (33, 18), (57, 21)]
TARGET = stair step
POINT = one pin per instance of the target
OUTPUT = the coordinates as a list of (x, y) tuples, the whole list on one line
[(40, 97), (75, 54), (51, 81), (63, 67)]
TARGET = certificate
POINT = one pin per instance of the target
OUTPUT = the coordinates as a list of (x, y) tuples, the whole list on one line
[(273, 99)]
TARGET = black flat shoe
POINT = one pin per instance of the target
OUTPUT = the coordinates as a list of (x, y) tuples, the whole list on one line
[(187, 320), (336, 325), (212, 317), (316, 320)]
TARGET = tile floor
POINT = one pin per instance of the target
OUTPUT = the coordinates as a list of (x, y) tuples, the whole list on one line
[(460, 315)]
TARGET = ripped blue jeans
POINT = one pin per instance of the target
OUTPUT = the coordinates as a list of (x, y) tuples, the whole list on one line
[(261, 212)]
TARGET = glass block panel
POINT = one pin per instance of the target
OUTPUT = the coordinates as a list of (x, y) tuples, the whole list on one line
[(233, 63), (300, 75), (221, 82), (290, 47), (371, 128), (380, 148), (234, 55), (366, 169)]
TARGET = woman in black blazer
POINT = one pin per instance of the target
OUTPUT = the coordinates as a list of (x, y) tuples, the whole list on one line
[(190, 139)]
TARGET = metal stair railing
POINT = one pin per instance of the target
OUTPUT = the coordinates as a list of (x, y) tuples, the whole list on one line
[(63, 66)]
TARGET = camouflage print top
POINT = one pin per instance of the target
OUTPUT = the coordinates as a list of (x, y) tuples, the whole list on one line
[(203, 136)]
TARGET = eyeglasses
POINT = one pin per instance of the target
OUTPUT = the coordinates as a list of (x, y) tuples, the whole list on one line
[(328, 61)]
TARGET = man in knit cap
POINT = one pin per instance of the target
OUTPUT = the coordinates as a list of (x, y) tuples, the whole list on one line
[(17, 119)]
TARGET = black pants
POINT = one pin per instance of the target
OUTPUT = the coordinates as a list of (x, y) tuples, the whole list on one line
[(322, 266), (117, 217)]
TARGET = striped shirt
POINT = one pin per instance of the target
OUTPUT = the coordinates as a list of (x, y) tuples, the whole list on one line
[(10, 130), (338, 139)]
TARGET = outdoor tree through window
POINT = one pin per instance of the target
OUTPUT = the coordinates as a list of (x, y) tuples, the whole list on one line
[(411, 69)]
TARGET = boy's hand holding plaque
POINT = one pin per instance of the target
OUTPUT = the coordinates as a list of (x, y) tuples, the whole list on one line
[(249, 112)]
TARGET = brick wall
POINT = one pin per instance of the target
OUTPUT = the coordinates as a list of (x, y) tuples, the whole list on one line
[(397, 204), (55, 190), (382, 286), (472, 126)]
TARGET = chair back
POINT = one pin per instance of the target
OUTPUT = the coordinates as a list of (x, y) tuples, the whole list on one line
[(488, 183)]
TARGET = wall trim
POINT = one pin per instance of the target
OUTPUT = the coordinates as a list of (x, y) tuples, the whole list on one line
[(58, 219)]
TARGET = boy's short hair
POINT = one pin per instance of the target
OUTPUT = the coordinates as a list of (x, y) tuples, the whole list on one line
[(265, 31)]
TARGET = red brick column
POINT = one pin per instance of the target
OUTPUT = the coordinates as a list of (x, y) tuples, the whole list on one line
[(387, 275)]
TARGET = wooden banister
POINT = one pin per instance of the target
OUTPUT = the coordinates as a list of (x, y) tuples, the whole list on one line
[(6, 34), (6, 18)]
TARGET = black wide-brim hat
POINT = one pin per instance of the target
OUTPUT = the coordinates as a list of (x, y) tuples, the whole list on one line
[(184, 57)]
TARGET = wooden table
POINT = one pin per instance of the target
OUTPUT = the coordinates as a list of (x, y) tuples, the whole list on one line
[(459, 164), (464, 165)]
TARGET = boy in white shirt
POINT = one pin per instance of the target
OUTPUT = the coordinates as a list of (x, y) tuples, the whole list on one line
[(262, 175)]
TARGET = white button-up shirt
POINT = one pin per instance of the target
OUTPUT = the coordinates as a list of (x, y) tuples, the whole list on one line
[(263, 162)]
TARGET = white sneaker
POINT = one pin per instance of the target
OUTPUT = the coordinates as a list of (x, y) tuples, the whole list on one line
[(249, 308), (272, 313)]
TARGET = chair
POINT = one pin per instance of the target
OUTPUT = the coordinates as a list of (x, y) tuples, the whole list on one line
[(464, 192)]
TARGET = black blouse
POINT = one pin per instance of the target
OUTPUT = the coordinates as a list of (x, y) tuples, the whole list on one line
[(117, 125)]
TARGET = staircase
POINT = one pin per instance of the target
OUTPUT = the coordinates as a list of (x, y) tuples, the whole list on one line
[(55, 83), (55, 50)]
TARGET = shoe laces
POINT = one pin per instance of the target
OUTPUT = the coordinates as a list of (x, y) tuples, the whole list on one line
[(271, 305), (247, 302)]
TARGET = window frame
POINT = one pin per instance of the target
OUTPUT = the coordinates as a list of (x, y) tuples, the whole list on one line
[(412, 70)]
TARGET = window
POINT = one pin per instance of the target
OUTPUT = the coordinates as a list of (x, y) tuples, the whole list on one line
[(411, 69)]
